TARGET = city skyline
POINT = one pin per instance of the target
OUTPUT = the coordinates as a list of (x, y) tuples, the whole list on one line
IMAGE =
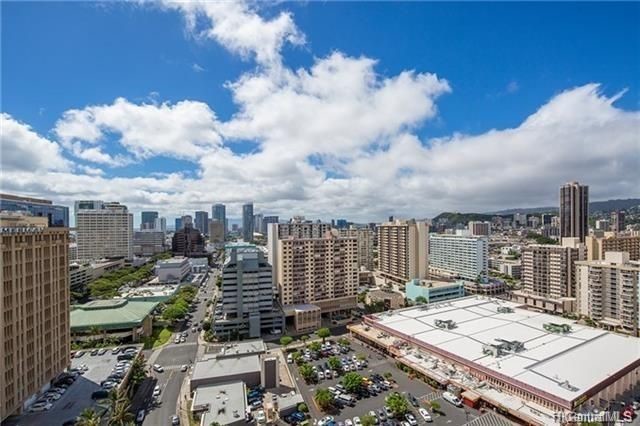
[(407, 132)]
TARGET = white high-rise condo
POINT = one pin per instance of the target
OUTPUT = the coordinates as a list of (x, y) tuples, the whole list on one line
[(103, 230), (459, 256)]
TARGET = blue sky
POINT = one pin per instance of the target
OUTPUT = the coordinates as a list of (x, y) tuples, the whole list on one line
[(501, 62)]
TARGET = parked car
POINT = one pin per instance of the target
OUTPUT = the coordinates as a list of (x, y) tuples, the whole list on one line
[(115, 351), (156, 391), (425, 414), (449, 397), (158, 368), (79, 354), (140, 416), (175, 420), (40, 406), (100, 394), (411, 419), (102, 351), (375, 417), (356, 421), (94, 352), (184, 368)]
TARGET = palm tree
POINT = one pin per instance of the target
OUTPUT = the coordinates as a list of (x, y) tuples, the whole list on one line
[(120, 414), (95, 331), (88, 417)]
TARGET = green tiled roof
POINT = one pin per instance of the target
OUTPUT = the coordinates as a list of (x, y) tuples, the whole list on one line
[(110, 314)]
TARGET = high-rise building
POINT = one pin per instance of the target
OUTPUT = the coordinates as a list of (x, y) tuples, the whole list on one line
[(187, 220), (161, 224), (106, 231), (459, 256), (607, 291), (216, 232), (248, 301), (403, 250), (34, 338), (148, 242), (545, 219), (574, 210), (247, 222), (365, 237), (617, 221), (603, 224), (202, 222), (479, 228), (57, 216), (178, 224), (148, 220), (257, 223), (548, 275), (341, 223), (219, 213), (266, 221), (318, 271), (598, 246), (519, 219), (188, 242)]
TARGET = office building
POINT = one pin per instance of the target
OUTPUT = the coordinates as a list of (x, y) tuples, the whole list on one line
[(433, 291), (617, 221), (611, 241), (341, 223), (548, 275), (81, 274), (403, 247), (106, 231), (574, 210), (365, 238), (247, 296), (545, 219), (265, 223), (187, 220), (57, 216), (216, 231), (388, 298), (257, 223), (519, 219), (247, 222), (202, 222), (34, 337), (219, 213), (318, 271), (148, 220), (607, 291), (148, 242), (188, 242), (459, 256), (479, 228), (603, 224), (533, 222), (160, 224), (178, 224), (175, 269)]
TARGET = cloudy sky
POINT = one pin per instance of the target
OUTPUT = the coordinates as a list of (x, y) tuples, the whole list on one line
[(326, 109)]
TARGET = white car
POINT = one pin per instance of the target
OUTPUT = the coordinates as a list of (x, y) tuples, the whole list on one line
[(412, 420), (158, 368), (348, 422), (260, 417), (425, 414), (320, 375), (40, 406), (327, 374), (356, 421), (156, 391)]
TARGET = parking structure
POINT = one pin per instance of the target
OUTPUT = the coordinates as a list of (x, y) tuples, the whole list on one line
[(375, 366), (83, 382)]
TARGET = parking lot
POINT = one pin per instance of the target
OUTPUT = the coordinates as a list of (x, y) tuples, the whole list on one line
[(378, 364), (77, 396)]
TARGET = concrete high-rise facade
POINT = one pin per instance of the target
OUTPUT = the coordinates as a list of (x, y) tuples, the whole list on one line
[(104, 232), (202, 222), (479, 228), (148, 242), (247, 222), (611, 241), (257, 223), (318, 271), (161, 224), (459, 256), (57, 216), (548, 275), (178, 224), (365, 237), (34, 337), (265, 223), (188, 242), (187, 220), (216, 232), (219, 213), (403, 250), (607, 292), (248, 301), (617, 221), (148, 220), (574, 210)]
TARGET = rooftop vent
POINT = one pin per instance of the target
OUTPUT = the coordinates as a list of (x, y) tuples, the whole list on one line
[(505, 310), (568, 386), (448, 324), (557, 328)]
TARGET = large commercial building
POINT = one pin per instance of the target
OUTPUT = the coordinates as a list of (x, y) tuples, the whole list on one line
[(202, 222), (530, 365), (459, 256), (148, 220), (188, 242), (148, 242), (598, 246), (403, 247), (548, 275), (219, 213), (365, 237), (34, 337), (318, 271), (247, 222), (607, 291), (57, 216), (104, 230), (574, 210), (216, 231), (174, 269), (247, 297)]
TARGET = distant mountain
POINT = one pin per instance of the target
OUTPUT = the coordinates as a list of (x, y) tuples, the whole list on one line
[(529, 210), (594, 206)]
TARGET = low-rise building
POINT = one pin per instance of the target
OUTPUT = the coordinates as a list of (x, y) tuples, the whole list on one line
[(433, 291), (174, 269), (391, 299), (224, 404), (306, 317), (81, 274)]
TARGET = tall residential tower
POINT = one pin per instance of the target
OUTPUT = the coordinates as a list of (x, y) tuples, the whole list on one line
[(574, 210)]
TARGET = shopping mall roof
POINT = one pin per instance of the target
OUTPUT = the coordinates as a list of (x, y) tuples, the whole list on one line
[(110, 314), (563, 364)]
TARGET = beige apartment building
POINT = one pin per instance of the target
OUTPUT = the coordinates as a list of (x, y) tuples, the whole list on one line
[(607, 291), (365, 238), (34, 298), (548, 275), (403, 251), (104, 230), (319, 271), (598, 246)]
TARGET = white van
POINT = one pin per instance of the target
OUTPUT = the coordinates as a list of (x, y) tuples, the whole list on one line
[(448, 396), (348, 399)]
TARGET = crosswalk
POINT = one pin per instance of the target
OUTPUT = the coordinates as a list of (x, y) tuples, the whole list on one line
[(432, 396), (489, 419)]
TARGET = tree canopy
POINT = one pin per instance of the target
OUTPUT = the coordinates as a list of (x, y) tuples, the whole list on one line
[(324, 399), (324, 332), (398, 404), (352, 382)]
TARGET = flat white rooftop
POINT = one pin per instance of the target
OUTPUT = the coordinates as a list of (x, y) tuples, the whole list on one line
[(565, 365)]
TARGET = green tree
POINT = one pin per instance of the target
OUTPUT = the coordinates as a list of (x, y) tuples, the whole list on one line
[(206, 325), (398, 404), (307, 373), (88, 417), (121, 414), (367, 420), (315, 346), (302, 407), (304, 338), (344, 342), (435, 406), (361, 357), (421, 300), (138, 371), (174, 312), (324, 399), (334, 363), (286, 340), (352, 382), (323, 333), (297, 357), (388, 375)]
